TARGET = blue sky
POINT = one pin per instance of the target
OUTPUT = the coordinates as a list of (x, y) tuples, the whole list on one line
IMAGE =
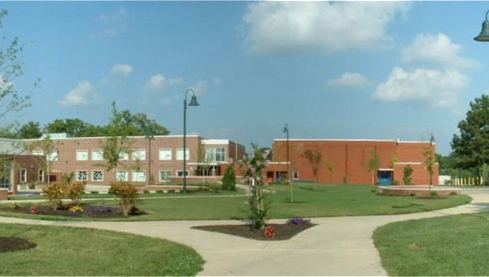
[(373, 70)]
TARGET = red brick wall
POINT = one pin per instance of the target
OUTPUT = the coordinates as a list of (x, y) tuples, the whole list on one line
[(350, 158)]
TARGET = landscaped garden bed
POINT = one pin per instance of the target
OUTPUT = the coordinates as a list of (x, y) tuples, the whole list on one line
[(71, 210), (11, 244), (271, 232)]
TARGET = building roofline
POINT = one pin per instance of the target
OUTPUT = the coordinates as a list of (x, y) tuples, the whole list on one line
[(132, 137), (356, 140)]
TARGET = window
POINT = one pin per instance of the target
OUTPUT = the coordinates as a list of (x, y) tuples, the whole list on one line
[(81, 155), (165, 154), (81, 175), (296, 175), (139, 155), (97, 155), (139, 176), (121, 176), (97, 175), (123, 156), (180, 173), (53, 156), (23, 175), (165, 175), (215, 154), (37, 152), (40, 175), (180, 154)]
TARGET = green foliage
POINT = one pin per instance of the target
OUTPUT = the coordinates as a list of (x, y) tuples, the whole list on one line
[(127, 194), (434, 193), (68, 178), (471, 147), (214, 187), (30, 130), (229, 179), (445, 163), (314, 158), (395, 183), (53, 194), (407, 172), (484, 173)]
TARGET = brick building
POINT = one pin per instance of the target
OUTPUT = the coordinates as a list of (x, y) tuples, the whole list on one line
[(155, 161), (349, 159)]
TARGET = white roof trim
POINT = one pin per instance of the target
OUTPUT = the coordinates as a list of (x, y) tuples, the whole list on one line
[(386, 169), (215, 141), (359, 140), (132, 137)]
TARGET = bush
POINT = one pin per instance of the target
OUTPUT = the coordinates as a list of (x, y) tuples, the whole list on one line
[(74, 191), (15, 206), (434, 193), (53, 194), (214, 187), (159, 191), (395, 183), (94, 192), (412, 194), (453, 193), (145, 191), (408, 170), (171, 191), (127, 194), (229, 179)]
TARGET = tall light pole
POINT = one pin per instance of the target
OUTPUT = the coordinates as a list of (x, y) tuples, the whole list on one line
[(484, 34), (286, 130), (193, 103), (149, 136), (432, 139)]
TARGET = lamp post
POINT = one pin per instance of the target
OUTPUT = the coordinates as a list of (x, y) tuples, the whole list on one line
[(149, 136), (286, 130), (484, 34), (432, 139), (193, 102)]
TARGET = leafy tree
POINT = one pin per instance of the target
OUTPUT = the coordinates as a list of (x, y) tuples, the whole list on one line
[(429, 163), (74, 127), (445, 163), (407, 172), (373, 164), (314, 158), (471, 147), (484, 173), (229, 179), (49, 149), (30, 130)]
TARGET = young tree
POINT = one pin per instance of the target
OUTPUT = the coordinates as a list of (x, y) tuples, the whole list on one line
[(407, 172), (314, 158), (330, 166), (50, 151), (373, 164), (429, 163), (229, 179)]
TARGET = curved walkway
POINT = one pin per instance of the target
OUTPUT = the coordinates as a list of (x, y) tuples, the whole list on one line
[(337, 246)]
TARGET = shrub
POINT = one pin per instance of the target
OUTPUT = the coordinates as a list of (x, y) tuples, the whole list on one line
[(159, 191), (453, 193), (373, 190), (412, 194), (229, 179), (53, 194), (75, 191), (270, 232), (408, 170), (171, 191), (94, 192), (434, 193), (127, 194), (395, 183), (145, 191), (214, 187)]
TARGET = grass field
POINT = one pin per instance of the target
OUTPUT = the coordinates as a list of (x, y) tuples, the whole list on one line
[(67, 251), (309, 201), (445, 246)]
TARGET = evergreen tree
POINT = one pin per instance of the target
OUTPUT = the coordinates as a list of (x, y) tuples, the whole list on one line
[(229, 179)]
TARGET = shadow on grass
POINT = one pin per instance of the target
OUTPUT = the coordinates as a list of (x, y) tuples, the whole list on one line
[(407, 206)]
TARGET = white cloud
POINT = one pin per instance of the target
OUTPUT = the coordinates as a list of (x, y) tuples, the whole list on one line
[(439, 89), (275, 27), (436, 49), (217, 81), (113, 24), (348, 80), (79, 96), (123, 70), (158, 82), (200, 87), (116, 17), (170, 100)]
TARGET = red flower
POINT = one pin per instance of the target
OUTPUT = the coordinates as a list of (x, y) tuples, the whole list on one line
[(33, 210), (270, 232)]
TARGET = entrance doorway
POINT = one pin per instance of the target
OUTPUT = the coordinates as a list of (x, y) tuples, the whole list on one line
[(384, 177)]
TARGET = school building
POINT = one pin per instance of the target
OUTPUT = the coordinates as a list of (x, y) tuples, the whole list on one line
[(346, 161)]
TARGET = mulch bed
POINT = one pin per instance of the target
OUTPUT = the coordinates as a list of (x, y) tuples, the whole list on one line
[(10, 244), (282, 231), (99, 211)]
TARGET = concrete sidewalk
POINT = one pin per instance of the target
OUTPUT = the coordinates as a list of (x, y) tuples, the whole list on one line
[(337, 246)]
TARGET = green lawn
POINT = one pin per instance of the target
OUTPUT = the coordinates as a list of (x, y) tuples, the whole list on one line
[(446, 246), (67, 251), (309, 201)]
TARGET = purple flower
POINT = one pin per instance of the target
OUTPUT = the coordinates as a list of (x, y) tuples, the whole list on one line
[(298, 221)]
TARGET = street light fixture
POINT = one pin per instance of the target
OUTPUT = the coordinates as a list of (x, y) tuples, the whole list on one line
[(484, 35), (149, 136), (286, 130), (193, 103)]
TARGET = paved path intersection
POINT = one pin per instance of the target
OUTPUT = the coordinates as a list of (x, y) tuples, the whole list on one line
[(337, 246)]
